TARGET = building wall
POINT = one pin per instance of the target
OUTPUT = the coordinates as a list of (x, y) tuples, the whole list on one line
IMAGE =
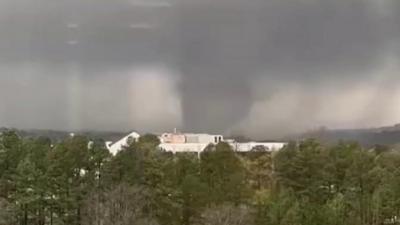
[(114, 148), (187, 147), (173, 138), (192, 139), (193, 143), (239, 147), (206, 138), (246, 147)]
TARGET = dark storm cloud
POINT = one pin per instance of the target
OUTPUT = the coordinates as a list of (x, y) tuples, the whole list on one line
[(264, 67), (228, 44), (73, 64), (85, 31)]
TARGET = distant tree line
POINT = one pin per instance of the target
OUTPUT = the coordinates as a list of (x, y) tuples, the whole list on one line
[(76, 183)]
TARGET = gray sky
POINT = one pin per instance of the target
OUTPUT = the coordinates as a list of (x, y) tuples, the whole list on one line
[(264, 68)]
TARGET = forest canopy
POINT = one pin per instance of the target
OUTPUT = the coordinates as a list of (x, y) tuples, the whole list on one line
[(71, 182)]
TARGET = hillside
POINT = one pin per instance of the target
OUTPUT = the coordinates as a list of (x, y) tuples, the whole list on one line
[(367, 137), (57, 136)]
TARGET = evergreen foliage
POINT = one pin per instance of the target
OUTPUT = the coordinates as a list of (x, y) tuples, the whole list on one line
[(78, 182)]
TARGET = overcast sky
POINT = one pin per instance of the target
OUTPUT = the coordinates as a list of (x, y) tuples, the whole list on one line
[(264, 68)]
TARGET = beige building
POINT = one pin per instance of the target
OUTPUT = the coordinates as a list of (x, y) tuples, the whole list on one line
[(173, 138)]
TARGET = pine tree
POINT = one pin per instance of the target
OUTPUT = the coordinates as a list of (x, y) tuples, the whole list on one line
[(224, 174)]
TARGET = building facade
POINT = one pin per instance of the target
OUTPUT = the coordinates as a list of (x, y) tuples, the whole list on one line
[(192, 142)]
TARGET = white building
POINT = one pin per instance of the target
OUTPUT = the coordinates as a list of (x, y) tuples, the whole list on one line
[(248, 146), (191, 142), (180, 138), (117, 146), (188, 142), (204, 138), (184, 147)]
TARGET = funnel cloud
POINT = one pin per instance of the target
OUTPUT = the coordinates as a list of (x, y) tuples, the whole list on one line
[(259, 68)]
